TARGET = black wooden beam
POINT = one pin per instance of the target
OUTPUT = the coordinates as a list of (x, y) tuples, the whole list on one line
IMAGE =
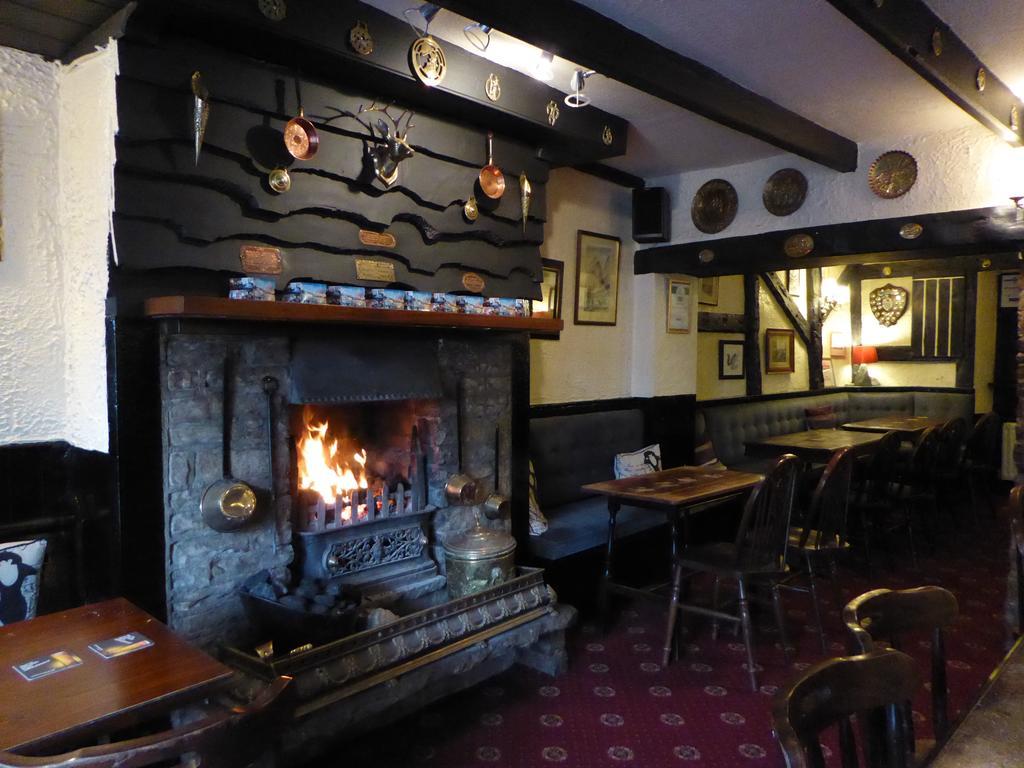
[(591, 40), (965, 364), (815, 375), (954, 233), (614, 175), (788, 306), (114, 27), (721, 322), (912, 32), (751, 341)]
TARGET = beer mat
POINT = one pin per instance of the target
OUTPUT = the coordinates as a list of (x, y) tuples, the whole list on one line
[(121, 645), (47, 665)]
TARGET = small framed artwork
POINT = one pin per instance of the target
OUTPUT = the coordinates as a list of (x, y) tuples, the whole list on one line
[(707, 291), (795, 282), (838, 344), (730, 359), (679, 301), (779, 347), (550, 305), (828, 373), (597, 279), (1008, 290)]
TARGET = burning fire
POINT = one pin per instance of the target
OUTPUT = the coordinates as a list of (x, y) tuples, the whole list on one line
[(321, 469)]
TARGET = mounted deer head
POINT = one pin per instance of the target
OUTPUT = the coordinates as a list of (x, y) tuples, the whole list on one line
[(394, 149)]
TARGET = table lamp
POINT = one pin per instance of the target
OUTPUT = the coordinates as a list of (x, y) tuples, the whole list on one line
[(860, 357)]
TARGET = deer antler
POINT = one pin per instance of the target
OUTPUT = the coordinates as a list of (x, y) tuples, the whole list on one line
[(375, 107)]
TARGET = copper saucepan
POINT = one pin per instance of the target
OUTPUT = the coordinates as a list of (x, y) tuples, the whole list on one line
[(492, 180), (300, 137)]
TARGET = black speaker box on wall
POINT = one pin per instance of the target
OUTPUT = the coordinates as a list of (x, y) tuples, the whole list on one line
[(651, 223)]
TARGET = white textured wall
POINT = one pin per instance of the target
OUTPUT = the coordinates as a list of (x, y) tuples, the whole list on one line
[(595, 362), (966, 168), (56, 150)]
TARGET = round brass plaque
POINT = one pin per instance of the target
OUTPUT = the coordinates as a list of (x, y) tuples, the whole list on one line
[(471, 281), (911, 231), (607, 136), (275, 10), (892, 174), (360, 39), (492, 87), (784, 192), (280, 180), (980, 78), (706, 256), (714, 206), (798, 245), (428, 61), (470, 209)]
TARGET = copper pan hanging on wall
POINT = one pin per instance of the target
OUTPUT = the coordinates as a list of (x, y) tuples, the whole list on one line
[(300, 137), (492, 180)]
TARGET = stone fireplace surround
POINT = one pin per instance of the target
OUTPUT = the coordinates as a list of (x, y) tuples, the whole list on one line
[(205, 569)]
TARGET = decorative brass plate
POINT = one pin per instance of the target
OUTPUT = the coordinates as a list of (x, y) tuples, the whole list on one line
[(275, 10), (607, 136), (471, 281), (1014, 118), (470, 209), (360, 39), (377, 271), (379, 239), (492, 87), (937, 41), (798, 245), (714, 206), (892, 174), (889, 303), (980, 78), (428, 61), (280, 180), (552, 110), (260, 260), (911, 231), (784, 192), (706, 256)]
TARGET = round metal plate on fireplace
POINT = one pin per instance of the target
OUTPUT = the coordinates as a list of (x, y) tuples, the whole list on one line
[(714, 206)]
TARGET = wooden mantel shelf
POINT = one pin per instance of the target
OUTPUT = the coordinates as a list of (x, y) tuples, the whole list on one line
[(212, 308)]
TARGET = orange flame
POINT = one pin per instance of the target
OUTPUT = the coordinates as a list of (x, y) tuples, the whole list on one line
[(321, 470)]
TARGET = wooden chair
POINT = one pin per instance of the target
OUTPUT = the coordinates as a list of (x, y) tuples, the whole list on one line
[(948, 466), (981, 458), (758, 553), (235, 737), (914, 489), (875, 497), (873, 686), (1017, 537), (823, 536), (888, 615)]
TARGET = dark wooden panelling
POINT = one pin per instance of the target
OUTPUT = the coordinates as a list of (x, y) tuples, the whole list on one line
[(31, 19), (720, 322), (965, 365), (815, 374), (945, 235), (942, 301), (958, 301), (929, 318), (752, 339), (594, 41), (917, 318), (27, 40)]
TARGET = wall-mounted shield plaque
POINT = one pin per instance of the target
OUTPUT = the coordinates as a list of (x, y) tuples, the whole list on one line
[(888, 304)]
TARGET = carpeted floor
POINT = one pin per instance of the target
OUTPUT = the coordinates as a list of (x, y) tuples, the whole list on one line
[(618, 706)]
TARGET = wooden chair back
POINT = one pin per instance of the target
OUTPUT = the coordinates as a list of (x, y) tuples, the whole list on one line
[(1017, 535), (764, 529), (874, 686), (234, 737), (982, 445), (826, 519), (949, 452), (886, 614), (882, 467), (922, 460)]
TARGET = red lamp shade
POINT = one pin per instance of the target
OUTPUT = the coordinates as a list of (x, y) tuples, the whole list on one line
[(864, 355)]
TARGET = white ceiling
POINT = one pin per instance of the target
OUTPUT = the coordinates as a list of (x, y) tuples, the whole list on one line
[(802, 54)]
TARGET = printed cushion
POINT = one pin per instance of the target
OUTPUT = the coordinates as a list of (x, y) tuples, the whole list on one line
[(20, 565), (820, 417), (641, 462), (538, 523), (704, 451)]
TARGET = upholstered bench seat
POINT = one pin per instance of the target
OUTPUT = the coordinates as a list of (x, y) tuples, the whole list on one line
[(582, 525)]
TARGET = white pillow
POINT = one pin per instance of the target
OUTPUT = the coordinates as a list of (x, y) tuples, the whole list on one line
[(641, 462), (21, 562), (538, 523)]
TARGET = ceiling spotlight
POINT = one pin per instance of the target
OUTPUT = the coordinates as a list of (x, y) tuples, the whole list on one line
[(577, 98), (478, 34), (542, 67), (425, 12)]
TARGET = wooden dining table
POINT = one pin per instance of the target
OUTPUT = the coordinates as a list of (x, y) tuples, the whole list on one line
[(814, 446), (673, 492), (992, 731), (96, 694), (909, 427)]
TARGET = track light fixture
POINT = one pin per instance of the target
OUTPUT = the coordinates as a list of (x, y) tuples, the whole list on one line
[(577, 98), (479, 35), (426, 12)]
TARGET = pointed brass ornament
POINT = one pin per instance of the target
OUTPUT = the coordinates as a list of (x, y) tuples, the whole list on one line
[(200, 111), (888, 304), (525, 196)]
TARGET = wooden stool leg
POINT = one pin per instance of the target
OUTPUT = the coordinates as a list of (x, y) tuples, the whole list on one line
[(833, 569), (780, 619), (748, 638), (606, 577), (814, 602), (714, 607), (673, 611)]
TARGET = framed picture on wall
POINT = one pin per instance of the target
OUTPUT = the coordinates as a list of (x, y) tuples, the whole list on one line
[(795, 282), (707, 291), (677, 319), (597, 279), (1009, 291), (838, 343), (730, 359), (550, 305), (779, 349)]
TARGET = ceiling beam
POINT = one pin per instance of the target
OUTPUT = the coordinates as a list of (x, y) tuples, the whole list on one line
[(591, 40), (876, 241), (911, 31)]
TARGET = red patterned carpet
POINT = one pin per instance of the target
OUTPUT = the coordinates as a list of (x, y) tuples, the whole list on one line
[(618, 707)]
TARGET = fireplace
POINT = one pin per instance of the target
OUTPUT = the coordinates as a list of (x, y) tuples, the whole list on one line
[(340, 579)]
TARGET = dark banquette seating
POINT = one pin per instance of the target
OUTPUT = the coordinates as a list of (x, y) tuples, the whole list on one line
[(570, 451)]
